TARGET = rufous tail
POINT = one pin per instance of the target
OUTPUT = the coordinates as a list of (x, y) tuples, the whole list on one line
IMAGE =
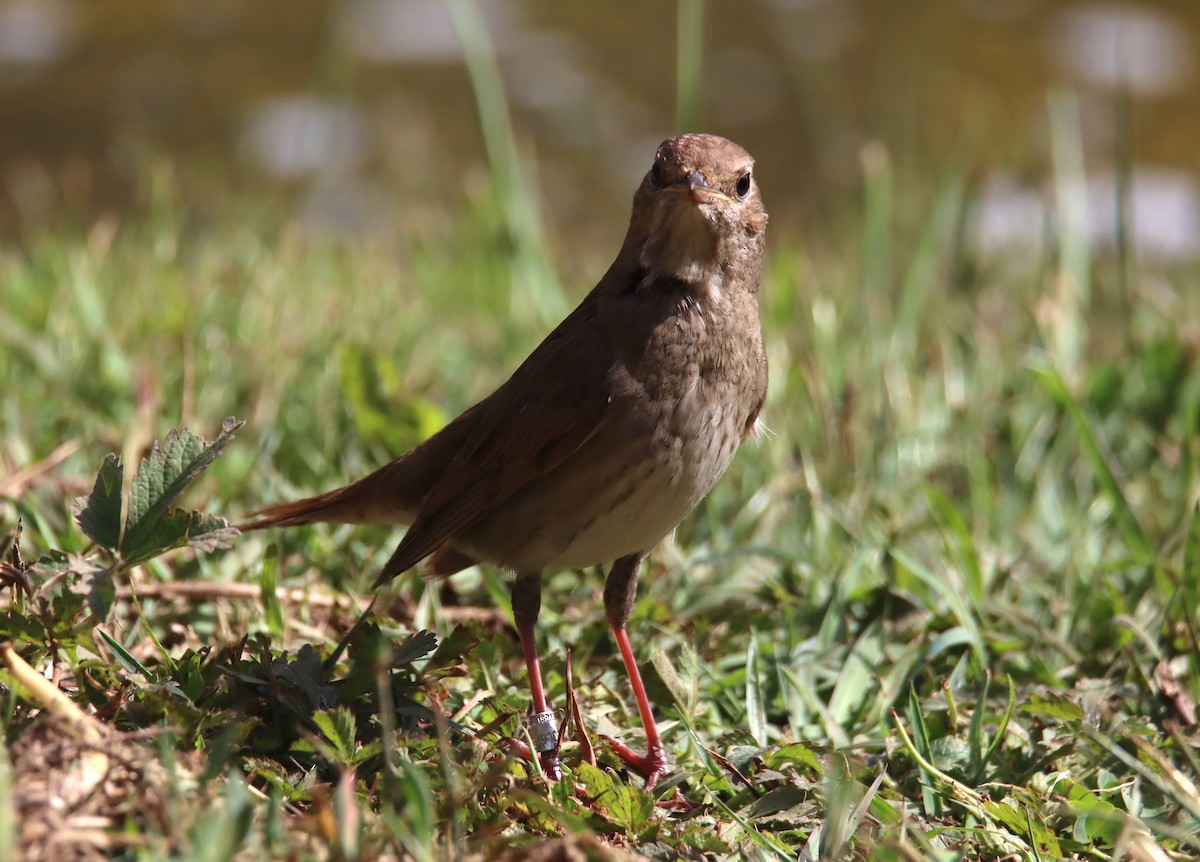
[(326, 507), (390, 495)]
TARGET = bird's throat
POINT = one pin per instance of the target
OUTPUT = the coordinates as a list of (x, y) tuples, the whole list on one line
[(683, 247)]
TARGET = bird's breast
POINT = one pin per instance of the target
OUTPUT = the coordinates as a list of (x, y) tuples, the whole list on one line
[(676, 415)]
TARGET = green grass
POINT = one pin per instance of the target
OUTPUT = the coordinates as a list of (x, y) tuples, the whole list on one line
[(945, 610)]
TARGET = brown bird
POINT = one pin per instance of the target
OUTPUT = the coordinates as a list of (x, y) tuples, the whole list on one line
[(612, 430)]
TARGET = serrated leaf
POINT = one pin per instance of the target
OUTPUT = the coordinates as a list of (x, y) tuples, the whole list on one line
[(210, 532), (51, 564), (179, 528), (99, 513), (1021, 821), (1006, 814), (160, 479), (307, 673), (415, 646), (703, 838), (453, 647)]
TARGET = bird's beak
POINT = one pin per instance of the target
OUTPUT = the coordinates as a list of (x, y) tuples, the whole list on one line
[(695, 186)]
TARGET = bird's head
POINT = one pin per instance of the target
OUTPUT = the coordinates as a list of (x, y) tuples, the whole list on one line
[(698, 212)]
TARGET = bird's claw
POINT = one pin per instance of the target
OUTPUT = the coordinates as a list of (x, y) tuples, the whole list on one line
[(653, 764)]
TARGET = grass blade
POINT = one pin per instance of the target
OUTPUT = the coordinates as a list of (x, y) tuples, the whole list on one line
[(756, 713), (272, 609), (689, 64), (1097, 452), (930, 798)]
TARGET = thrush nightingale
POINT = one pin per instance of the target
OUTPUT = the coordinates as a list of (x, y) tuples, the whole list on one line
[(612, 430)]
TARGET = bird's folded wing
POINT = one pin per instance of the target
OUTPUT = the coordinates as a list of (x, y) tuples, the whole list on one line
[(516, 440)]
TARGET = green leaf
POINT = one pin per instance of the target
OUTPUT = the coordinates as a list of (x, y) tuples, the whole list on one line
[(125, 658), (756, 714), (219, 835), (779, 799), (339, 728), (1100, 456), (1054, 706), (272, 609), (630, 807), (1098, 821), (99, 514), (930, 798), (371, 386), (408, 809), (742, 756), (950, 754), (959, 541), (177, 529), (1007, 814), (208, 532), (160, 479), (415, 646), (593, 779), (9, 831), (307, 673), (95, 582), (999, 737), (975, 733), (671, 670), (795, 753), (1020, 820), (453, 648)]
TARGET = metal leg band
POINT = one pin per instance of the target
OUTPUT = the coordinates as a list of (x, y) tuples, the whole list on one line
[(544, 731)]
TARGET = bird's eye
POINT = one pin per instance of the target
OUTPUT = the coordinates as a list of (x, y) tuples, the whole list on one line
[(743, 186), (656, 175)]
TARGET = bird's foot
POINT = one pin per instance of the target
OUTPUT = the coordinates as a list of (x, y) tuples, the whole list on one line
[(653, 764)]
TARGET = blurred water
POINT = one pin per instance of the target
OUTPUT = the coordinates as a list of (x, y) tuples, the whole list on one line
[(33, 34), (1120, 45), (364, 106)]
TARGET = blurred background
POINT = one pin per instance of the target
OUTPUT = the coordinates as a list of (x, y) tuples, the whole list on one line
[(362, 113)]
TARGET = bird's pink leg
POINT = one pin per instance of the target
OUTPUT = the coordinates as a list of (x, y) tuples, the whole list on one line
[(653, 764), (620, 591), (527, 603)]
